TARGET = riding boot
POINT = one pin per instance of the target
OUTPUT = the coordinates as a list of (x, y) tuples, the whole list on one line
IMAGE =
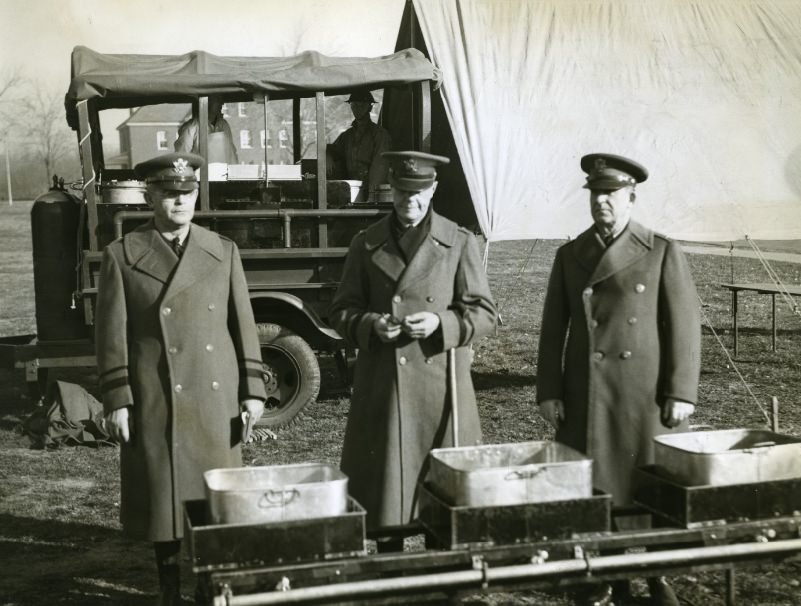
[(168, 554)]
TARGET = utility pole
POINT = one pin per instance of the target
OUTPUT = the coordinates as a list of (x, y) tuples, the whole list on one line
[(8, 177)]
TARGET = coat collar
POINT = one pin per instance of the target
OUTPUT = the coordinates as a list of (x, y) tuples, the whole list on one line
[(602, 262), (388, 258), (148, 252)]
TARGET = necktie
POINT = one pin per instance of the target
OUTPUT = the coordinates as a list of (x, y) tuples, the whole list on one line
[(176, 246)]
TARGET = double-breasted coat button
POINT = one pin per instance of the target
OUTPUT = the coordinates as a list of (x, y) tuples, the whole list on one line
[(211, 306), (178, 388), (173, 350), (429, 361), (397, 299), (430, 299), (594, 324), (166, 311), (587, 291), (625, 355), (640, 288), (402, 361), (598, 356), (632, 320), (209, 347), (215, 385)]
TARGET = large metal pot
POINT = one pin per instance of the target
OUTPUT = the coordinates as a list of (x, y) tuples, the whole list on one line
[(510, 474), (728, 456), (277, 493), (123, 192)]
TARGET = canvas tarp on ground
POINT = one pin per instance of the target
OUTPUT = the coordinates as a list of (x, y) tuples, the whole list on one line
[(706, 94)]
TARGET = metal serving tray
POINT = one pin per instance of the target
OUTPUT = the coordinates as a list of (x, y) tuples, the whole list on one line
[(510, 474), (729, 456), (275, 493)]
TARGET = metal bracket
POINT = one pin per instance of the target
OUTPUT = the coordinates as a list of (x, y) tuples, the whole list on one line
[(283, 584), (540, 557), (224, 599), (479, 563)]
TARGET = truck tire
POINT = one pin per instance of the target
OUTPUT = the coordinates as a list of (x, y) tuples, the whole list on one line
[(292, 374)]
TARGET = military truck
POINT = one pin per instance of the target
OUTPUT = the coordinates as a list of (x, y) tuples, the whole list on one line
[(291, 223)]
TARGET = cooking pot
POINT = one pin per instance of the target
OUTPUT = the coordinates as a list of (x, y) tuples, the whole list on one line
[(123, 192)]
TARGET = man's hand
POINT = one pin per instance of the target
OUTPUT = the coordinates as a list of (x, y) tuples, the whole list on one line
[(386, 328), (676, 411), (120, 425), (421, 324), (254, 407), (553, 411)]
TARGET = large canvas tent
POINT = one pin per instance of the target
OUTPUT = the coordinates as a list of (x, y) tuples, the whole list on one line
[(706, 94)]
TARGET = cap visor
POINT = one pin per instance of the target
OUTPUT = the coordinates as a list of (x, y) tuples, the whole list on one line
[(176, 185), (411, 184)]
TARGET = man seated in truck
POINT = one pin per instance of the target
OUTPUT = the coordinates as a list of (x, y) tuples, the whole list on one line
[(357, 151), (221, 146)]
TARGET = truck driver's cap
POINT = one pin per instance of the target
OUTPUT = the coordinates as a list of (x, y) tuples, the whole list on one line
[(175, 171), (413, 170), (361, 96), (611, 172)]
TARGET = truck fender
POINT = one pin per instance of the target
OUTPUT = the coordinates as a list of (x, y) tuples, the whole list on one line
[(290, 311)]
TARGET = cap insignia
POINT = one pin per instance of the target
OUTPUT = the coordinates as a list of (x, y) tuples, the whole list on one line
[(410, 165), (600, 164), (180, 165)]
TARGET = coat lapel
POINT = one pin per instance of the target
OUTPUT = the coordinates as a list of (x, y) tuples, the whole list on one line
[(441, 236), (203, 253), (588, 249), (147, 252), (633, 243), (386, 257)]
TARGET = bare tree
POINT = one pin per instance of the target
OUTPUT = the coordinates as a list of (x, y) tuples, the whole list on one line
[(39, 119), (9, 80)]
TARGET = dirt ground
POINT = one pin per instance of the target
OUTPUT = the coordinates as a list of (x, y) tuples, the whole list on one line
[(60, 541)]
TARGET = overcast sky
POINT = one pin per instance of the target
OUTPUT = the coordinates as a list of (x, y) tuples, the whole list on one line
[(37, 36)]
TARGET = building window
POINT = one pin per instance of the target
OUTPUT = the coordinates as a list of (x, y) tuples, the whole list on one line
[(265, 140), (242, 110), (244, 139), (282, 138), (161, 140)]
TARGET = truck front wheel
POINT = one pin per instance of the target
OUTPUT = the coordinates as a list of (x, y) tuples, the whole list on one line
[(291, 374)]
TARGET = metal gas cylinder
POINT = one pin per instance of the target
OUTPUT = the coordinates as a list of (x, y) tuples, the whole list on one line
[(56, 230)]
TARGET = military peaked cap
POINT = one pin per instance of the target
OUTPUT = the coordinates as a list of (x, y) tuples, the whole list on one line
[(413, 170), (171, 171), (608, 171)]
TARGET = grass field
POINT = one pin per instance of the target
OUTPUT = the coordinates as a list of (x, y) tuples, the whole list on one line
[(59, 536)]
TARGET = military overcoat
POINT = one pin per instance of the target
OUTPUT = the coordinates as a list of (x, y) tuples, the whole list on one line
[(620, 334), (400, 406), (176, 341)]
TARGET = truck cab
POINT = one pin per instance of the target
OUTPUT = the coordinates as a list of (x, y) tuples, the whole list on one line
[(292, 222)]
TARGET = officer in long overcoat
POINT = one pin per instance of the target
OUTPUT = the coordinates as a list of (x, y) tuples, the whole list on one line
[(177, 356), (413, 287), (619, 351)]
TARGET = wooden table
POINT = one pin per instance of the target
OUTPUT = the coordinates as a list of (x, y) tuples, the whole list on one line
[(764, 289)]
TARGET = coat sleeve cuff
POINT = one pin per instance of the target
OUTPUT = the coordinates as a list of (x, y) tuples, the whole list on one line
[(451, 327), (116, 393), (364, 330), (251, 380)]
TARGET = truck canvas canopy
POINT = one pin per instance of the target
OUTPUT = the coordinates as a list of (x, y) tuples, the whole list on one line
[(120, 81)]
